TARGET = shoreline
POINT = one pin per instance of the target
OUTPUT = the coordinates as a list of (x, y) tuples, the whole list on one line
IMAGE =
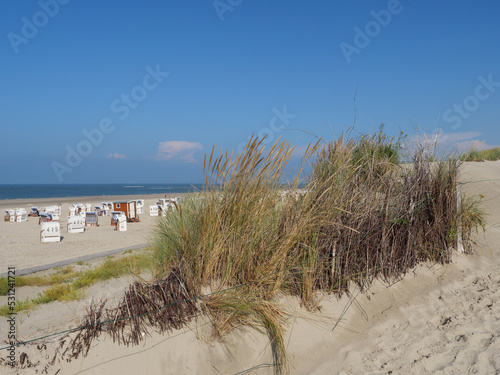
[(97, 199), (56, 192)]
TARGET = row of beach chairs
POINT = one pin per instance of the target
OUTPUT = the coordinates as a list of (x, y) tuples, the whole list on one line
[(51, 230), (18, 215), (80, 216), (163, 206), (21, 215), (53, 210), (286, 195), (80, 209), (104, 209)]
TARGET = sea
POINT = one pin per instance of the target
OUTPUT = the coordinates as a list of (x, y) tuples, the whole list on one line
[(19, 191)]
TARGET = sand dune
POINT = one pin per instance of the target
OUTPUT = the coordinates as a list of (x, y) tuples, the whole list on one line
[(441, 319)]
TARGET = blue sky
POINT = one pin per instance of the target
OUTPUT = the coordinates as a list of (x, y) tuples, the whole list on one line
[(155, 84)]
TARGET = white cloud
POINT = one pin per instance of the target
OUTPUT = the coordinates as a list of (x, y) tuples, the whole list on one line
[(116, 155), (477, 145), (454, 142), (454, 138), (182, 150)]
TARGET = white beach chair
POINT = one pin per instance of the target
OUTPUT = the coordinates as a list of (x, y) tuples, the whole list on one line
[(10, 215), (140, 206), (92, 219), (105, 209), (55, 211), (50, 210), (153, 210), (21, 215), (76, 224), (51, 232), (80, 209), (114, 217), (44, 217), (121, 222)]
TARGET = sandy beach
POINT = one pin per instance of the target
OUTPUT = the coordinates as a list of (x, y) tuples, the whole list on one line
[(440, 319), (21, 247)]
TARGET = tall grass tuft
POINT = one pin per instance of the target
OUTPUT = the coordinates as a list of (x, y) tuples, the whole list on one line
[(361, 215)]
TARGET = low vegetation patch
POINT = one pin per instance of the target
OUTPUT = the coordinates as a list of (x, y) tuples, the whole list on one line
[(61, 275), (475, 155), (66, 284)]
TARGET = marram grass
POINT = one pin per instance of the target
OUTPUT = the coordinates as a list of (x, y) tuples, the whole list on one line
[(361, 215)]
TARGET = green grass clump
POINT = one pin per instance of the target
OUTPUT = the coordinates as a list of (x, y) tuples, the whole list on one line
[(492, 154), (111, 269), (472, 217), (376, 152), (21, 305), (60, 276), (59, 292)]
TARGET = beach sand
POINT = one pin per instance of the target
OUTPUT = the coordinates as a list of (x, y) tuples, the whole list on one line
[(21, 247), (440, 319)]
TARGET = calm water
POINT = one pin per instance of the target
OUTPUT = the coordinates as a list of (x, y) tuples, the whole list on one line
[(85, 190)]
